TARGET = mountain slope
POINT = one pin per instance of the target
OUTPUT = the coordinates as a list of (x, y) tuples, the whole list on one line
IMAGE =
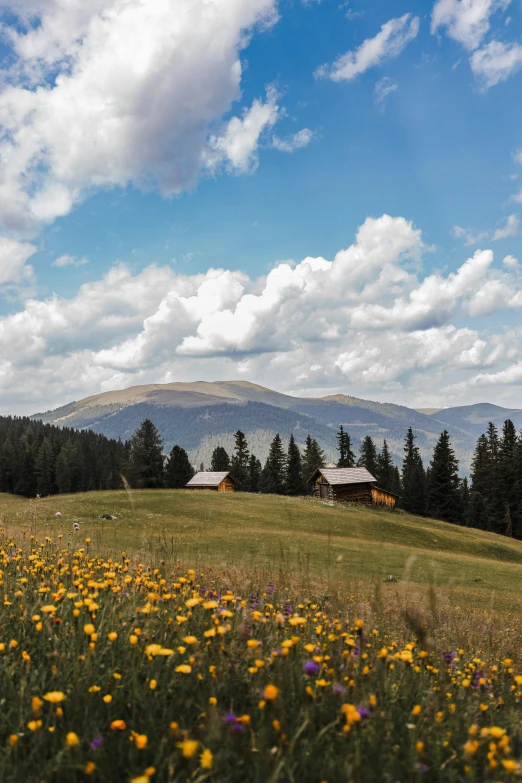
[(202, 415)]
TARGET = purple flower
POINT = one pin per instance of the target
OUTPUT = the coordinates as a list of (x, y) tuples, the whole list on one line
[(363, 712), (422, 767), (97, 741), (311, 667), (337, 688), (271, 588), (449, 657), (230, 718), (477, 675), (234, 723)]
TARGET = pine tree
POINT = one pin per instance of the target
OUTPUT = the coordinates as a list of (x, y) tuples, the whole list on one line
[(510, 478), (26, 482), (146, 457), (444, 497), (273, 475), (344, 447), (294, 483), (45, 469), (486, 478), (239, 462), (313, 457), (464, 499), (68, 469), (368, 456), (385, 472), (396, 483), (413, 478), (477, 514), (254, 473), (220, 460), (178, 470)]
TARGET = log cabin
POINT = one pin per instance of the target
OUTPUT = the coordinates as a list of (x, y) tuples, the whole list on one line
[(350, 485), (213, 482)]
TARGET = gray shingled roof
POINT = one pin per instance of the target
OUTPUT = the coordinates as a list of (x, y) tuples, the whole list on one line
[(209, 479), (337, 476)]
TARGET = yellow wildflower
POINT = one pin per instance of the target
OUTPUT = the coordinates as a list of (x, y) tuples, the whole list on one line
[(72, 739), (54, 697), (270, 692), (188, 748), (206, 759)]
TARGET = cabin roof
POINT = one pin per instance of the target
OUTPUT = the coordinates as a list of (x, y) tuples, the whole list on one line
[(337, 476), (210, 478)]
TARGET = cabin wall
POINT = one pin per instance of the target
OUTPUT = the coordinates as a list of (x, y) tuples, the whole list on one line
[(382, 498), (353, 493), (203, 489), (226, 486)]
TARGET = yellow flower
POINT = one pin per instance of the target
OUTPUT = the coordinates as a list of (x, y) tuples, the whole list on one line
[(141, 779), (118, 725), (253, 643), (206, 759), (184, 668), (152, 685), (192, 602), (34, 725), (36, 704), (188, 748), (141, 741), (72, 739), (13, 739), (50, 609), (107, 698), (112, 636), (190, 639), (416, 710), (509, 765), (89, 629), (419, 747), (94, 689), (55, 697), (270, 692), (212, 701), (133, 639), (496, 732), (89, 768)]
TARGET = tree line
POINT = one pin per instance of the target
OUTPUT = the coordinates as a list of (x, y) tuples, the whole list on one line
[(44, 459)]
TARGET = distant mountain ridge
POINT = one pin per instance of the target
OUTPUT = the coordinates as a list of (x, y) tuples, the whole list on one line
[(201, 415)]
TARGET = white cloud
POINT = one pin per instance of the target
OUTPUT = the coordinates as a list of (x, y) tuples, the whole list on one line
[(300, 139), (112, 92), (383, 88), (510, 229), (496, 62), (469, 236), (511, 262), (393, 37), (466, 21), (13, 258), (238, 144), (368, 320), (67, 260), (517, 156)]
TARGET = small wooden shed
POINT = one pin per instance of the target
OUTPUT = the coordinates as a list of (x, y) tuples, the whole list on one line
[(350, 485), (213, 482)]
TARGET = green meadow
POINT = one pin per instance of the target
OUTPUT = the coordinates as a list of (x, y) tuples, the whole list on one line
[(307, 538)]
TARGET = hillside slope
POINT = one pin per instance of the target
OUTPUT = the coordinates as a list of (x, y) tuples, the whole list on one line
[(302, 536), (201, 415)]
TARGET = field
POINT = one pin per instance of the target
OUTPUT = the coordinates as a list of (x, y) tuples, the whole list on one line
[(241, 638)]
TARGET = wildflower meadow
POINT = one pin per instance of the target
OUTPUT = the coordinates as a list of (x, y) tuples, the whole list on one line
[(113, 670)]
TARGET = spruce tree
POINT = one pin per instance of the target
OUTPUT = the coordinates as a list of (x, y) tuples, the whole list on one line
[(220, 460), (146, 457), (239, 462), (273, 475), (178, 470), (254, 473), (477, 513), (45, 469), (385, 472), (510, 478), (26, 482), (313, 457), (294, 483), (413, 497), (368, 456), (444, 496), (344, 447)]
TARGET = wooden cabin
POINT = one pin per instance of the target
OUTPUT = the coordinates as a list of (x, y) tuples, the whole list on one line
[(213, 482), (351, 485)]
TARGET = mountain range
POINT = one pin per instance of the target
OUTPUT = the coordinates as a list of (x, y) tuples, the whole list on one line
[(202, 415)]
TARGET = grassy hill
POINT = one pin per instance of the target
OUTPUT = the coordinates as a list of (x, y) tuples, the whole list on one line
[(272, 535), (201, 415)]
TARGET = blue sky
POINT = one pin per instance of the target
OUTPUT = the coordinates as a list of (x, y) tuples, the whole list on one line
[(436, 152)]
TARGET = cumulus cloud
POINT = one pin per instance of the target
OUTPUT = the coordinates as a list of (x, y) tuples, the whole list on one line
[(496, 62), (237, 145), (509, 229), (112, 92), (389, 42), (466, 21), (368, 321), (300, 139), (469, 236), (67, 260), (13, 258)]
